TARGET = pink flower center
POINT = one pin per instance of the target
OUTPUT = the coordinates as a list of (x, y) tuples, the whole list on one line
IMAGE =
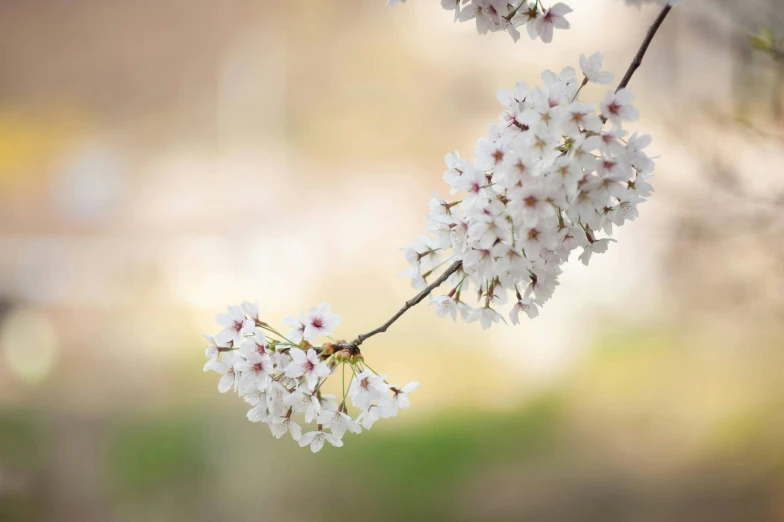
[(317, 322)]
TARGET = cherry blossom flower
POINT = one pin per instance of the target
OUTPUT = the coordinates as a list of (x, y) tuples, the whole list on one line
[(257, 343), (276, 398), (369, 417), (235, 326), (507, 15), (321, 321), (212, 351), (445, 306), (617, 107), (365, 388), (225, 367), (296, 327), (486, 317), (338, 422), (279, 426), (400, 395), (251, 310), (304, 401), (307, 365), (256, 371), (316, 439), (553, 18), (259, 412), (597, 246), (528, 306), (592, 69)]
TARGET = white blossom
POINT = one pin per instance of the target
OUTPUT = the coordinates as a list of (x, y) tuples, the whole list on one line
[(308, 365), (212, 351), (617, 107), (279, 426), (375, 412), (256, 343), (320, 322), (553, 18), (508, 15), (296, 327), (550, 177), (225, 367), (486, 316), (400, 395), (251, 310), (338, 422), (526, 305), (592, 69), (316, 439), (235, 326), (304, 401), (445, 306), (259, 412), (367, 387), (256, 371)]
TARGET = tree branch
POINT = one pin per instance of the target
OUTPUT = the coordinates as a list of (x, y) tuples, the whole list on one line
[(644, 47), (353, 345)]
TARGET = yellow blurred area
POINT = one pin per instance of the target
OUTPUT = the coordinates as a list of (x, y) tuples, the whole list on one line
[(161, 159), (30, 139)]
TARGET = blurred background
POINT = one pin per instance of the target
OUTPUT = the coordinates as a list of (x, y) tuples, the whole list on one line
[(162, 159)]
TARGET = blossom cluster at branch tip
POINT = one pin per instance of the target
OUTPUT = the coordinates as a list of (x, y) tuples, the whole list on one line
[(281, 376), (553, 175), (509, 16)]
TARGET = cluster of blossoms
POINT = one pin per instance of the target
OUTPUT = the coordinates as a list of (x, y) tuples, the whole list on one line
[(551, 176), (281, 377), (554, 175), (509, 16)]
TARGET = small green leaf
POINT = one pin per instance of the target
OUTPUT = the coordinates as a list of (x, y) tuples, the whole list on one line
[(764, 40)]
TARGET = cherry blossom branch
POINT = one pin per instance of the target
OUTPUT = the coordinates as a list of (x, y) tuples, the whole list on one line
[(354, 345), (454, 267), (644, 47)]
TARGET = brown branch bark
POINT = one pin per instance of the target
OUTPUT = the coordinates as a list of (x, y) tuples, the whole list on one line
[(353, 345), (644, 47)]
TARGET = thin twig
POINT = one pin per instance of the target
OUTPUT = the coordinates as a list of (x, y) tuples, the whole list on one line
[(353, 345), (644, 47)]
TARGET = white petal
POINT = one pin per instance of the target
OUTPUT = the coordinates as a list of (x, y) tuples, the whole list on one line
[(317, 444)]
